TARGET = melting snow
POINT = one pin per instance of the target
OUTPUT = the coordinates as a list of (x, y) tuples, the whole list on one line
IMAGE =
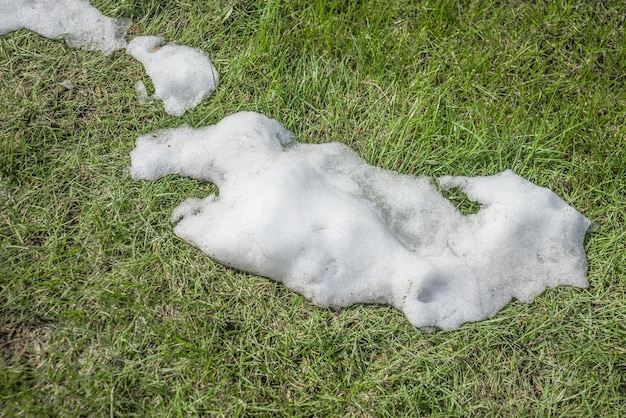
[(82, 25), (182, 76), (320, 220)]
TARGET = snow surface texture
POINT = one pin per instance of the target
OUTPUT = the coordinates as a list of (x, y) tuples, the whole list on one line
[(320, 220), (182, 76), (82, 25)]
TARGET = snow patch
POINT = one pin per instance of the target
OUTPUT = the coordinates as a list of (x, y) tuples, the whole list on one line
[(182, 76), (79, 23), (338, 231)]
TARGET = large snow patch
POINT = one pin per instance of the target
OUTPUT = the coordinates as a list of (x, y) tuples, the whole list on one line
[(329, 226)]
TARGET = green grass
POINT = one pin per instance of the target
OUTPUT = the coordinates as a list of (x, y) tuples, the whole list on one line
[(103, 311)]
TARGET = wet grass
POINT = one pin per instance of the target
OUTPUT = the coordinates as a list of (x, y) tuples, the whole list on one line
[(104, 312)]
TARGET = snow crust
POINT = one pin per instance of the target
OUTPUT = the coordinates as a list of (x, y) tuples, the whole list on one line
[(338, 231), (79, 23), (182, 76)]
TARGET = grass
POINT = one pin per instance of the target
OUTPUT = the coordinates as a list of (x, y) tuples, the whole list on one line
[(104, 312)]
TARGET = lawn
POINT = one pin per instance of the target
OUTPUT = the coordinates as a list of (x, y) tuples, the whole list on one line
[(103, 311)]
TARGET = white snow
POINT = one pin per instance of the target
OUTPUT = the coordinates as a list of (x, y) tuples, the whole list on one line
[(320, 220), (142, 94), (79, 23), (182, 76)]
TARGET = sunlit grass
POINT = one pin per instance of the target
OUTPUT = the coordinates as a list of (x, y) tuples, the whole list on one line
[(103, 311)]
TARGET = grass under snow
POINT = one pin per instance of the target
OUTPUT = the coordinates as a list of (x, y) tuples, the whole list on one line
[(103, 311)]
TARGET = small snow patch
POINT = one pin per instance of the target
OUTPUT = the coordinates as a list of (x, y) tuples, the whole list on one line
[(182, 76), (79, 23)]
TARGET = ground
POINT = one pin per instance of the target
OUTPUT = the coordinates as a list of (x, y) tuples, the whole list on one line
[(104, 311)]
